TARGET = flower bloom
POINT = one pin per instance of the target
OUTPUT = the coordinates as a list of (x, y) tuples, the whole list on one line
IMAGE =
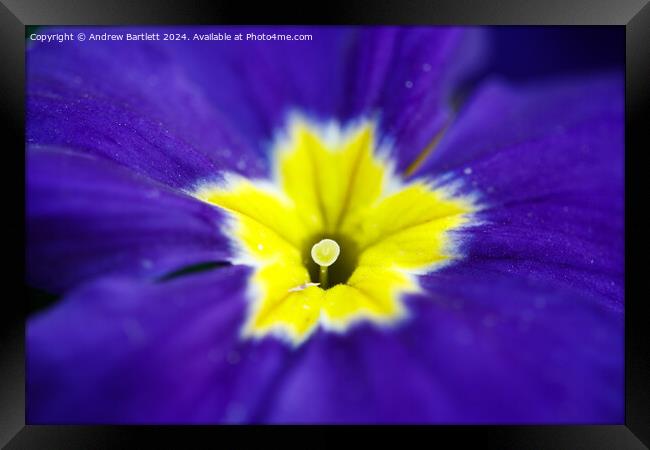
[(308, 231)]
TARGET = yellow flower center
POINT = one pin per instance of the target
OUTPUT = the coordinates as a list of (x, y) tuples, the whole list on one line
[(336, 211)]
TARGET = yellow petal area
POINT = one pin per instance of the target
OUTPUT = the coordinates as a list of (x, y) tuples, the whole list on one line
[(332, 184)]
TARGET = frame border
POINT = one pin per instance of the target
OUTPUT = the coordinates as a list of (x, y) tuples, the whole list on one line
[(633, 14)]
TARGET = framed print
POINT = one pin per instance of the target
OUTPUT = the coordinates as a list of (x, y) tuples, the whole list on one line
[(423, 219)]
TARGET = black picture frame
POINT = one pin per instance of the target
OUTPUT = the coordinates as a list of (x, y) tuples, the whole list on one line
[(634, 15)]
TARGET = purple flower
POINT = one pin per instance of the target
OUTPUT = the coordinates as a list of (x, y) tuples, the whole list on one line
[(487, 265)]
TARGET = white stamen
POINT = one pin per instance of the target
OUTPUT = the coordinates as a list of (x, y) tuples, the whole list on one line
[(325, 253)]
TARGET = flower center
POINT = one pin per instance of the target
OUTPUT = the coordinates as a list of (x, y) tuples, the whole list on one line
[(336, 239)]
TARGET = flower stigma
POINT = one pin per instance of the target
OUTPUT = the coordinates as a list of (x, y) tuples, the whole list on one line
[(336, 238), (325, 253)]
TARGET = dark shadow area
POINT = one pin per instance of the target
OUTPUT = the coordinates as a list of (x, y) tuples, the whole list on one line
[(39, 300), (196, 268)]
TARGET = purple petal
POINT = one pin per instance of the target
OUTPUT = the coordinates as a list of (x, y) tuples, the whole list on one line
[(547, 164), (180, 110), (407, 76), (87, 217), (364, 377), (403, 75), (571, 240), (512, 349), (480, 348), (257, 83), (552, 128), (120, 351), (132, 103)]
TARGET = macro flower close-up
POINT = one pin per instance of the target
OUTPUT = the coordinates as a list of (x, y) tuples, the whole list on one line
[(344, 225)]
